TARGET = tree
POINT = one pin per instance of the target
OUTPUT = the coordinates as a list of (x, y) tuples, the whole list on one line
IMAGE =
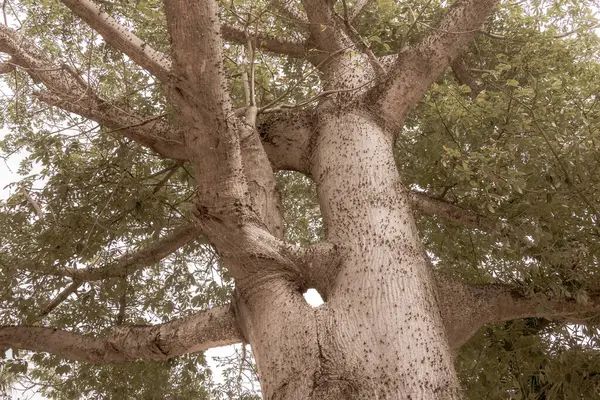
[(204, 163)]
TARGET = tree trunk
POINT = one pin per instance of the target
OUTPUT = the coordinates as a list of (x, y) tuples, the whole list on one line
[(379, 334)]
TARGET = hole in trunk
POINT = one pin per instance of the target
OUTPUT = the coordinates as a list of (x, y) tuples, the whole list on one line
[(313, 298)]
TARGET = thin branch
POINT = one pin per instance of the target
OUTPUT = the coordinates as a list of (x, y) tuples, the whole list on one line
[(416, 68), (62, 296), (435, 207), (122, 302), (119, 37), (123, 344), (358, 8), (492, 35), (265, 42), (355, 36), (32, 202), (129, 263), (252, 96)]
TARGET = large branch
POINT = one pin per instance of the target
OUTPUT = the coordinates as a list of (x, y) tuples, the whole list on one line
[(151, 131), (466, 308), (416, 68), (200, 95), (67, 90), (200, 331), (119, 37), (198, 62), (129, 263)]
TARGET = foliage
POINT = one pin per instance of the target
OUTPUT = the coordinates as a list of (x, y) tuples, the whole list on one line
[(521, 146)]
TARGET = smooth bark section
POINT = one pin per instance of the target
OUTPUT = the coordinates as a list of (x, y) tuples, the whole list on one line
[(265, 42), (120, 38), (129, 263), (416, 68), (283, 332), (200, 331), (69, 91)]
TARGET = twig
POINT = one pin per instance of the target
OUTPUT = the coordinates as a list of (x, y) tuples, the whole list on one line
[(33, 203)]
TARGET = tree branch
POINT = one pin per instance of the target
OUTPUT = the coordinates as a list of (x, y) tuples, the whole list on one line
[(428, 205), (204, 106), (150, 131), (62, 296), (286, 137), (265, 42), (322, 25), (466, 308), (67, 90), (119, 37), (200, 331), (359, 6), (129, 263), (416, 68)]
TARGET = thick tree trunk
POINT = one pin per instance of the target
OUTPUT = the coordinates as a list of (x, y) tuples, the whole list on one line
[(379, 334)]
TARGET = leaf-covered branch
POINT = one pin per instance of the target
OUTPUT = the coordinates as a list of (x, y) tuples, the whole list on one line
[(129, 263), (417, 67), (200, 331), (67, 90), (150, 131), (119, 37)]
